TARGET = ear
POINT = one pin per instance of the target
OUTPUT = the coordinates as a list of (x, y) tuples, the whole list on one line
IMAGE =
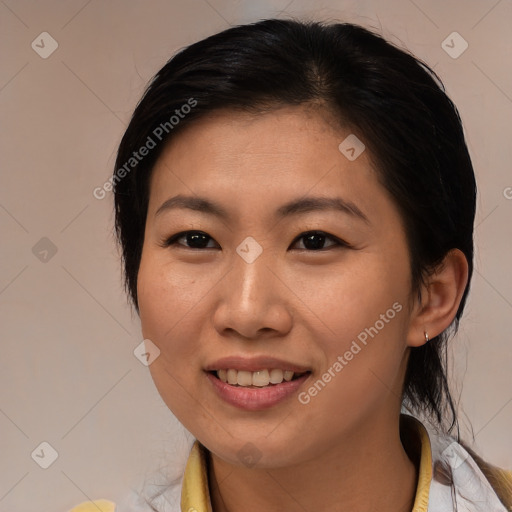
[(440, 298)]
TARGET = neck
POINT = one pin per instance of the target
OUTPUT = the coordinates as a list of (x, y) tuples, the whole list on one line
[(370, 471)]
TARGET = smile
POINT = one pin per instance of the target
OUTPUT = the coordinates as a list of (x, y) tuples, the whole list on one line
[(258, 379), (258, 397)]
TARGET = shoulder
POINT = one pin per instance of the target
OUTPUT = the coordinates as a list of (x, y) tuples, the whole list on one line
[(472, 479), (454, 477), (164, 496), (95, 506), (499, 479), (131, 502)]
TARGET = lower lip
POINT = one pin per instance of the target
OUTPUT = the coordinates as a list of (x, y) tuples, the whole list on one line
[(256, 399)]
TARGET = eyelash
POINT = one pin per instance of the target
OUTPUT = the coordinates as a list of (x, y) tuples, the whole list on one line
[(173, 240)]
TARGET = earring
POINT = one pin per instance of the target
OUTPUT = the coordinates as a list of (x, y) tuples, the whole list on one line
[(426, 337)]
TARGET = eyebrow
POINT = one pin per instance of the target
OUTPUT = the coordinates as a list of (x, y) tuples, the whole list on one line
[(295, 207)]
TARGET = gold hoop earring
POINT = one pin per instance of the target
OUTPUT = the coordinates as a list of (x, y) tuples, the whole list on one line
[(426, 337)]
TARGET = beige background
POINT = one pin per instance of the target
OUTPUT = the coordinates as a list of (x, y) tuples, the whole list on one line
[(68, 373)]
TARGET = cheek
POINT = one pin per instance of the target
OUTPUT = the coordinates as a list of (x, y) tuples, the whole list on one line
[(165, 293), (351, 297), (365, 311), (169, 301)]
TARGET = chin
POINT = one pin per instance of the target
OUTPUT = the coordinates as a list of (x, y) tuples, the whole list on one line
[(253, 452)]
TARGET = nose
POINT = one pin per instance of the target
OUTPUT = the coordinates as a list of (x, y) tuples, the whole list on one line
[(253, 303)]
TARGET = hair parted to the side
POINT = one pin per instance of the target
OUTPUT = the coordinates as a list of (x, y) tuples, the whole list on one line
[(391, 100)]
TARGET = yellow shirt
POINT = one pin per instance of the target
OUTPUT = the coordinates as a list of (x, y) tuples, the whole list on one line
[(491, 487)]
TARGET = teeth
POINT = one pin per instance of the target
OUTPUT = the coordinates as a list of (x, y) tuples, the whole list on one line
[(259, 379), (244, 378), (276, 376), (232, 376)]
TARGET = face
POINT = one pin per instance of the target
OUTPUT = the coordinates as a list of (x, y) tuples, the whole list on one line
[(266, 252)]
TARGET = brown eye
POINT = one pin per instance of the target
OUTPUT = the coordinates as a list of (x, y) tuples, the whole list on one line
[(315, 241), (312, 241), (192, 240)]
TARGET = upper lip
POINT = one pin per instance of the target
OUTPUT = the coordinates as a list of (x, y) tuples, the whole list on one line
[(254, 364)]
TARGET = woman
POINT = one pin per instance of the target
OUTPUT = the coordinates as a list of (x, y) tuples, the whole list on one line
[(295, 205)]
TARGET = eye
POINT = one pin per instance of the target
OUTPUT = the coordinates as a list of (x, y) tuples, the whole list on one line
[(195, 239), (315, 240)]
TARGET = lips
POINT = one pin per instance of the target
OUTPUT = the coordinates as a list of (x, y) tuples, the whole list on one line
[(255, 383), (255, 364)]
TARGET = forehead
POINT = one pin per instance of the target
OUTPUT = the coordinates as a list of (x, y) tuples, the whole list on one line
[(266, 158), (287, 138)]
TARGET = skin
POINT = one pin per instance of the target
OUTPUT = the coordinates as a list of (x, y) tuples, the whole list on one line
[(342, 450)]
